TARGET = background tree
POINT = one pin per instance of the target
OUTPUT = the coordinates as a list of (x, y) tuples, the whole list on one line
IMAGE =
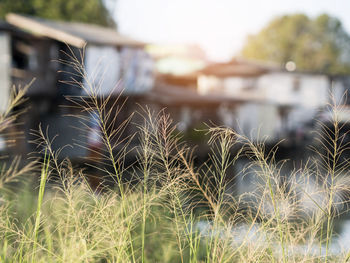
[(319, 44), (88, 11)]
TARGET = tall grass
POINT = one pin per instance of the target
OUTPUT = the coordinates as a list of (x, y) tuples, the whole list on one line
[(44, 175), (163, 207)]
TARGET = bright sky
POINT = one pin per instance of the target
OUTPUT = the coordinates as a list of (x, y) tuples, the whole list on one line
[(219, 26)]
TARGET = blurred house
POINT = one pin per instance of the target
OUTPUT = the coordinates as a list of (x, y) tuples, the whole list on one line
[(280, 103), (44, 50)]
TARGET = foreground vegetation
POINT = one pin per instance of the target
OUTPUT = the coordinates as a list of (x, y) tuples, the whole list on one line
[(168, 209)]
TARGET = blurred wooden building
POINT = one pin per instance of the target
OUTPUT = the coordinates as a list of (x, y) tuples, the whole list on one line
[(45, 50)]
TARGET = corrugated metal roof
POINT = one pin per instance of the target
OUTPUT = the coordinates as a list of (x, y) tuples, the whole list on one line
[(76, 34)]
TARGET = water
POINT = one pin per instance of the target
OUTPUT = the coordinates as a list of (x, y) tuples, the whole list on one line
[(254, 235)]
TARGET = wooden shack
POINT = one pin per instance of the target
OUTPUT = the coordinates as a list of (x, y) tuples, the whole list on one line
[(44, 50)]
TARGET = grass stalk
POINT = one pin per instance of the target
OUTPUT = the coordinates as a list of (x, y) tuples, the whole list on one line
[(43, 179)]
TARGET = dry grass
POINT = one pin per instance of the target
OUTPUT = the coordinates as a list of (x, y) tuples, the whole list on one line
[(172, 211)]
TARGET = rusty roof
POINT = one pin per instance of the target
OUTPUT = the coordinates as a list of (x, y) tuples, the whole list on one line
[(240, 67)]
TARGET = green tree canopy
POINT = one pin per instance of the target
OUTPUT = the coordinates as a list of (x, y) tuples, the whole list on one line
[(87, 11), (319, 44)]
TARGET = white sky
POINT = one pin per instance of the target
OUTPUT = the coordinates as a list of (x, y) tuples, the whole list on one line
[(220, 26)]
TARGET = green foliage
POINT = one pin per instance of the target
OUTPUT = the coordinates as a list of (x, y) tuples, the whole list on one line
[(319, 44), (87, 11)]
